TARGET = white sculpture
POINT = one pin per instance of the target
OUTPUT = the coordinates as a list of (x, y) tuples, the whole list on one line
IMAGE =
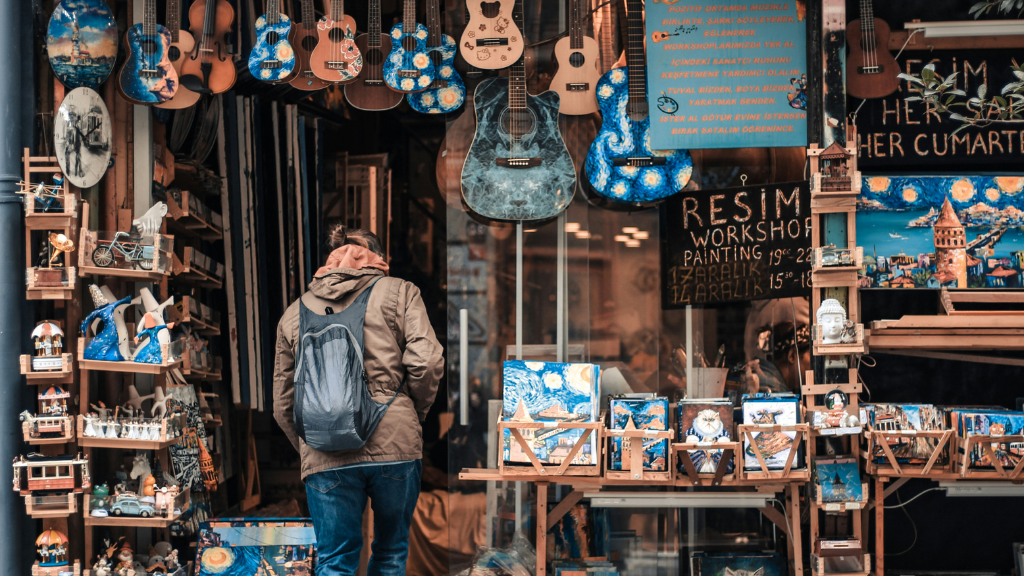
[(154, 314), (831, 318), (149, 223)]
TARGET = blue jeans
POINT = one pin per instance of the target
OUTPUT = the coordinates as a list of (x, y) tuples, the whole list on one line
[(337, 499)]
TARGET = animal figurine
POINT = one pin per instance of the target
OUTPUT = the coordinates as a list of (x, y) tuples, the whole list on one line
[(149, 223), (102, 566), (100, 493)]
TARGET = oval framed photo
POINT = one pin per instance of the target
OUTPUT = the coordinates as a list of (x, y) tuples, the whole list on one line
[(82, 137)]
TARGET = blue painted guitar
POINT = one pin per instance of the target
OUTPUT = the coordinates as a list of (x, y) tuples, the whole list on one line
[(272, 58), (148, 76), (408, 67), (620, 163), (448, 91), (518, 167)]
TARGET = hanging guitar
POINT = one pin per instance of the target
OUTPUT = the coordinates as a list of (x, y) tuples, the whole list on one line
[(518, 167), (209, 69), (369, 92), (336, 58), (272, 58), (303, 40), (447, 92), (81, 42), (148, 77), (491, 40), (621, 166), (182, 45), (408, 68), (871, 70), (577, 76)]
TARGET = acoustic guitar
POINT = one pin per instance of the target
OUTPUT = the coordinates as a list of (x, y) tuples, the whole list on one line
[(447, 92), (303, 40), (518, 167), (871, 70), (577, 76), (182, 44), (621, 166), (491, 40), (148, 77), (81, 42), (209, 69), (369, 92), (272, 58), (409, 68), (336, 58)]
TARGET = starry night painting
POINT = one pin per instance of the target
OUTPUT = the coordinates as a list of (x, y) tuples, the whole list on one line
[(646, 414), (941, 231), (549, 392), (992, 423), (839, 480), (81, 41), (257, 547), (736, 564)]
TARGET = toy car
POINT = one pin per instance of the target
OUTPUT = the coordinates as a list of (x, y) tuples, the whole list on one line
[(832, 256), (129, 505)]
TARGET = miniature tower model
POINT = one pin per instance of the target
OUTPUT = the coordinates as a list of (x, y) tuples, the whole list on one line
[(950, 245)]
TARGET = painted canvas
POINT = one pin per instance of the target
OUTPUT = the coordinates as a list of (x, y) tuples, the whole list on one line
[(774, 446), (581, 533), (644, 414), (941, 231), (906, 449), (81, 42), (256, 547), (994, 423), (705, 421), (839, 480), (550, 392), (736, 564)]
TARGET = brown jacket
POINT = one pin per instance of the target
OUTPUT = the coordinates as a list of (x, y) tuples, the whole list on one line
[(399, 344)]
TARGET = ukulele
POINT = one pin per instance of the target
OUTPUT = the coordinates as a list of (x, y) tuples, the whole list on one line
[(147, 76), (409, 68), (303, 40), (447, 92), (182, 44), (272, 58), (81, 43), (336, 58), (577, 75), (209, 69), (870, 68), (620, 163), (517, 167), (491, 40), (369, 92)]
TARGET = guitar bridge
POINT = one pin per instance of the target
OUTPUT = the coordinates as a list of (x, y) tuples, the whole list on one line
[(577, 86), (408, 74), (876, 69), (308, 74), (149, 73), (483, 42), (439, 84), (337, 65), (518, 162), (640, 161), (270, 64), (373, 82)]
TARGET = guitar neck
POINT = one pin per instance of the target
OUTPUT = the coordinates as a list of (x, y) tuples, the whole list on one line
[(575, 25), (174, 18), (433, 23), (867, 24), (409, 17), (149, 18), (273, 12), (308, 15), (373, 41), (517, 73), (635, 53), (606, 31), (337, 10)]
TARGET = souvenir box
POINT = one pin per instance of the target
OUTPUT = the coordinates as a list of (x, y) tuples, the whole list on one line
[(989, 423), (645, 414), (550, 392), (916, 417), (775, 446), (709, 420), (838, 480), (736, 564)]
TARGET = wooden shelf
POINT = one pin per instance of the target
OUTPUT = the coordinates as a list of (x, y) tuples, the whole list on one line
[(43, 377), (122, 443), (183, 219), (50, 221), (198, 323), (213, 376), (135, 521), (127, 366), (133, 275), (188, 273)]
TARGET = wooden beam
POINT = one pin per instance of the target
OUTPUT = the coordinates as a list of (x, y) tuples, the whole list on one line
[(898, 37), (558, 511)]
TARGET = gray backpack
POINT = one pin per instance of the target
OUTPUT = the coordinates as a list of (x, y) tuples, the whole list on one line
[(333, 407)]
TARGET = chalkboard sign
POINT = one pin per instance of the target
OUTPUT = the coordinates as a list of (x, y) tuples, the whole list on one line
[(736, 244)]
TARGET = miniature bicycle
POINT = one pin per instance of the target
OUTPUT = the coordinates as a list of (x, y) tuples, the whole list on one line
[(134, 252)]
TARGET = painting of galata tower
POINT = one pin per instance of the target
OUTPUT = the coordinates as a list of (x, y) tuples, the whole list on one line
[(950, 245)]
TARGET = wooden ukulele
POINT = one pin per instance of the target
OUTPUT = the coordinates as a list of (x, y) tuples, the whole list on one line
[(577, 76), (447, 92), (182, 44), (336, 58), (518, 167), (303, 40), (209, 69), (147, 76), (871, 70), (491, 40), (369, 92), (272, 58)]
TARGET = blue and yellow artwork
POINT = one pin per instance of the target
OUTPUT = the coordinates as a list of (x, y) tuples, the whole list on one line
[(549, 392), (736, 564), (941, 231), (272, 58), (448, 91), (839, 480), (645, 414), (256, 547), (81, 42), (409, 70)]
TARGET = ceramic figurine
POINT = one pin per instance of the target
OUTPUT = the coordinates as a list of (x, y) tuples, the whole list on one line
[(154, 313), (831, 318), (111, 342), (90, 427), (101, 409), (125, 559), (51, 546), (102, 566), (152, 352), (48, 342), (837, 415), (112, 428)]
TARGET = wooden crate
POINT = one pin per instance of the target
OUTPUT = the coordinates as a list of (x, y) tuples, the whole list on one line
[(36, 377), (633, 467), (689, 476), (181, 503), (964, 446), (858, 346), (818, 567), (892, 468), (50, 283), (565, 468), (51, 506), (38, 570), (67, 432), (788, 473)]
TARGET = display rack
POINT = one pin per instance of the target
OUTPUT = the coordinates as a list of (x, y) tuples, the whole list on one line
[(180, 506), (47, 377), (189, 217), (566, 467), (187, 269), (48, 282), (633, 460)]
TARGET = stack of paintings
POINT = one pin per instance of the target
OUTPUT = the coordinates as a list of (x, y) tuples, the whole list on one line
[(898, 417), (582, 533), (256, 547), (989, 422), (639, 414)]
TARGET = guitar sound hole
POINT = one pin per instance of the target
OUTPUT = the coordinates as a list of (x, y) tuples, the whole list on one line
[(173, 53), (336, 35), (637, 111), (309, 43), (409, 43), (490, 9), (374, 57), (576, 59), (272, 37), (519, 123), (436, 58), (148, 46)]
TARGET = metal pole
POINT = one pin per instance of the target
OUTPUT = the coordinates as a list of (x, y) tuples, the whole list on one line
[(12, 276)]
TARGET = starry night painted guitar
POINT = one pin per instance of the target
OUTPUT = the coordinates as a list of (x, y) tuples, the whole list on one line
[(409, 67), (148, 77), (447, 92), (518, 167), (272, 58), (620, 164)]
